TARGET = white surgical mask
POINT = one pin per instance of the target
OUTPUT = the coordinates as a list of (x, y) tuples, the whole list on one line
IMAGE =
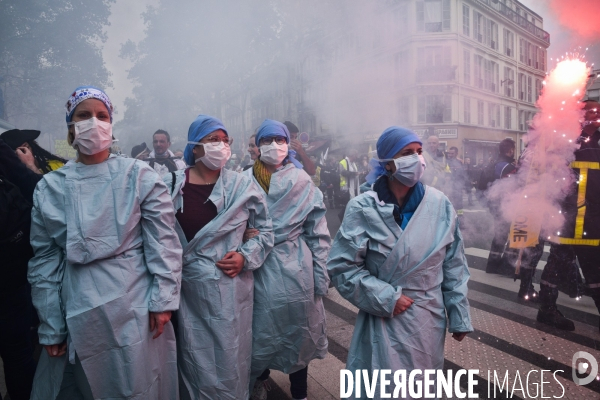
[(215, 157), (92, 136), (273, 154), (409, 169)]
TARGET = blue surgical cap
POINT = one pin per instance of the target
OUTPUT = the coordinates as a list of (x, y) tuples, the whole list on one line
[(202, 126), (391, 141), (271, 128)]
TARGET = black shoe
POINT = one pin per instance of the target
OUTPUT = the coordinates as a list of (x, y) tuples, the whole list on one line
[(528, 294), (551, 316)]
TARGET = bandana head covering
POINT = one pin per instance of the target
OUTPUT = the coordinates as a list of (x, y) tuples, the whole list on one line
[(391, 141), (272, 128), (83, 93), (202, 126)]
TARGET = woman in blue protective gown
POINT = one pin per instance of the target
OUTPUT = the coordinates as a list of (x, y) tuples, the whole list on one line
[(288, 329), (213, 208), (107, 268), (399, 258)]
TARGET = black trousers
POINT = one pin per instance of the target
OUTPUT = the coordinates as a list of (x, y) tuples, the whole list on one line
[(298, 382), (529, 261), (501, 231), (16, 348), (561, 267)]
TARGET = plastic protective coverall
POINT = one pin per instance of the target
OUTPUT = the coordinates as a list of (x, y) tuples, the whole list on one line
[(372, 262), (106, 255), (215, 315), (289, 318)]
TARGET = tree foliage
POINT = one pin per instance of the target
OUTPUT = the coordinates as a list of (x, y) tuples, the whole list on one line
[(47, 48), (207, 57)]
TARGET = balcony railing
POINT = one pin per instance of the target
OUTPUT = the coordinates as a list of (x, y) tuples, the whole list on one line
[(518, 19)]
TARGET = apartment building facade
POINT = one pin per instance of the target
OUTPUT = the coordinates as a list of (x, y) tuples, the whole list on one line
[(469, 71), (479, 67)]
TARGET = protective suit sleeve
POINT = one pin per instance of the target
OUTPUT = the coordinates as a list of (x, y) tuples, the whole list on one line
[(162, 249), (256, 250), (45, 274), (454, 286), (346, 266), (317, 238)]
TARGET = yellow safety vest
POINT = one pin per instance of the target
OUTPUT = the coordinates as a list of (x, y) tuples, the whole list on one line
[(344, 165), (584, 167)]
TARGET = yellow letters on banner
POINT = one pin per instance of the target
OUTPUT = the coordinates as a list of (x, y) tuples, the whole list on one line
[(525, 229)]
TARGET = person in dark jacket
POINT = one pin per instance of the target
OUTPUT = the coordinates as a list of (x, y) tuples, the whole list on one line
[(41, 160), (580, 235), (505, 166), (16, 309), (455, 182), (330, 177)]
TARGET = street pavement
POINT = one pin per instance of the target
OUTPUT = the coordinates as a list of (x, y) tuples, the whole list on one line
[(507, 336)]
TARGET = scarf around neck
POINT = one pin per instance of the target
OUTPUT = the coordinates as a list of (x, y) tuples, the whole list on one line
[(402, 214), (262, 175)]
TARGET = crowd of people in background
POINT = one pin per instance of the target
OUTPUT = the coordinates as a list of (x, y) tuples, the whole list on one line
[(341, 173)]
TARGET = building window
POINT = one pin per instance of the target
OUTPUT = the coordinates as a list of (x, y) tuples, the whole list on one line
[(507, 117), (467, 107), (529, 89), (433, 15), (420, 16), (509, 45), (495, 77), (487, 75), (491, 74), (467, 67), (540, 61), (480, 113), (435, 64), (493, 115), (522, 50), (478, 26), (493, 35), (434, 109), (593, 94), (538, 89), (466, 20), (478, 70), (531, 54), (522, 84), (543, 59), (509, 81), (446, 15)]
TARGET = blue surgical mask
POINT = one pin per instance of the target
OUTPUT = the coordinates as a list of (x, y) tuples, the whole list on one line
[(409, 169)]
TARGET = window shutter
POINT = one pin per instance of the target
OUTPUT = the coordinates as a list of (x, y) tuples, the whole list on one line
[(420, 16)]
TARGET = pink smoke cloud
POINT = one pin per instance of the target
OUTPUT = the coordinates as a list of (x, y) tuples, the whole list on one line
[(580, 16)]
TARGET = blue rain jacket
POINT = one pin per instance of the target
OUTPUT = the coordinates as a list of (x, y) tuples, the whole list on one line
[(106, 255), (215, 315), (289, 318), (373, 262)]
